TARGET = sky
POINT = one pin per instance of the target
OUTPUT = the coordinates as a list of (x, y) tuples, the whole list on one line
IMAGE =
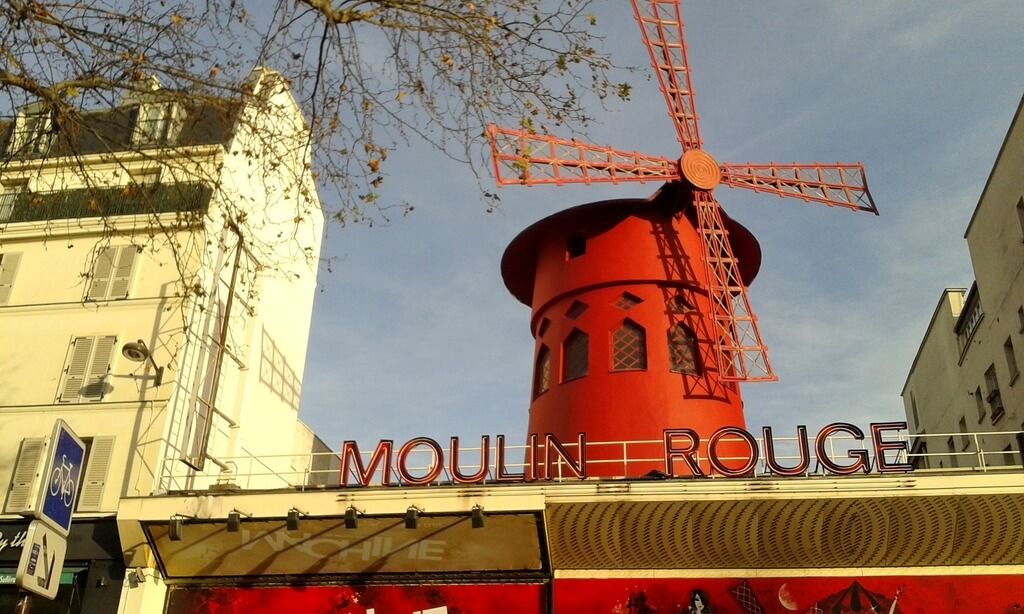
[(414, 333)]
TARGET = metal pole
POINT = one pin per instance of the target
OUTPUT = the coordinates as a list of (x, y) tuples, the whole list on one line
[(24, 604), (1020, 446)]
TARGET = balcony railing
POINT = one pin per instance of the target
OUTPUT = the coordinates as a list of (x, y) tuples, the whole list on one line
[(617, 460), (153, 199)]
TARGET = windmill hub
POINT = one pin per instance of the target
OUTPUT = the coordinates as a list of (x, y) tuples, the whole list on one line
[(699, 169)]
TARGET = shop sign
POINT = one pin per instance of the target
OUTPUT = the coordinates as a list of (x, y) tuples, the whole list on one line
[(682, 447), (12, 538)]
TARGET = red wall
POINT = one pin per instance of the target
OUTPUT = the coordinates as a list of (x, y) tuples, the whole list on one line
[(341, 599), (917, 595)]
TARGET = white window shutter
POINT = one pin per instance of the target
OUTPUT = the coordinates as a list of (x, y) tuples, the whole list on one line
[(26, 472), (8, 269), (90, 495), (122, 272), (99, 366), (78, 366), (102, 271)]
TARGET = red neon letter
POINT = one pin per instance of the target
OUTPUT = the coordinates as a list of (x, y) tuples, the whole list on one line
[(720, 466), (884, 466), (773, 464), (453, 462), (672, 452), (350, 453), (436, 464), (577, 469), (861, 456), (501, 474)]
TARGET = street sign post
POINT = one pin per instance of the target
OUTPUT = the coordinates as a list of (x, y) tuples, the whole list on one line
[(42, 560), (61, 476)]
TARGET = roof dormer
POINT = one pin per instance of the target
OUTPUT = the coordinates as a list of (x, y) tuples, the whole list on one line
[(33, 130)]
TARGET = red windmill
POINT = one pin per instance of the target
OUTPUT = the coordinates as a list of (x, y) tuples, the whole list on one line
[(679, 243)]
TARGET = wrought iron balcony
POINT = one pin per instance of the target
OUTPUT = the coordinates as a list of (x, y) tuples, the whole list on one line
[(154, 199)]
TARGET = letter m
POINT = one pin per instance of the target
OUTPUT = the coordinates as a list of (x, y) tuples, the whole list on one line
[(364, 474)]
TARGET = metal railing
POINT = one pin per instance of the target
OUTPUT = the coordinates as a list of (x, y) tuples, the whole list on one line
[(979, 452)]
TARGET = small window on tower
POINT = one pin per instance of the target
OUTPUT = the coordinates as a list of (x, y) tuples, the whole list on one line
[(682, 350), (575, 353), (542, 372), (627, 301), (629, 347), (679, 304), (543, 327), (575, 310), (575, 246)]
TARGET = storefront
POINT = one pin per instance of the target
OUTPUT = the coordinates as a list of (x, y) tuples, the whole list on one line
[(93, 570)]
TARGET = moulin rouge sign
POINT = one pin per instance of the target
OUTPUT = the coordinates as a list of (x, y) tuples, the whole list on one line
[(681, 447)]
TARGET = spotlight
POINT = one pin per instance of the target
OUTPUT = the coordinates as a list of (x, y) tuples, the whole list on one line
[(412, 517), (477, 517), (175, 528), (138, 352), (351, 518), (292, 522), (234, 521)]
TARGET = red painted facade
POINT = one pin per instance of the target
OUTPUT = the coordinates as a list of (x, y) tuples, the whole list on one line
[(594, 269)]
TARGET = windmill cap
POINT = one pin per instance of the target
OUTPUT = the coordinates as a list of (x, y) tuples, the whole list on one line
[(519, 262)]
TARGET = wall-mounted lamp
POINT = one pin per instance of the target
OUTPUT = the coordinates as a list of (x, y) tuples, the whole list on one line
[(412, 517), (138, 352), (292, 521), (351, 517), (235, 520), (477, 517)]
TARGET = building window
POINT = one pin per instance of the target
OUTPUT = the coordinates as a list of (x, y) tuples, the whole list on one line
[(969, 319), (627, 301), (575, 310), (913, 410), (993, 397), (99, 452), (112, 273), (682, 350), (158, 124), (629, 347), (543, 327), (85, 376), (8, 270), (679, 304), (33, 133), (146, 177), (1008, 458), (575, 246), (953, 460), (1020, 319), (542, 372), (980, 402), (965, 441), (13, 193), (575, 355), (920, 454), (1011, 360)]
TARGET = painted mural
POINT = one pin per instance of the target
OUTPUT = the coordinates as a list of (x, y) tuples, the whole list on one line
[(341, 599), (866, 595)]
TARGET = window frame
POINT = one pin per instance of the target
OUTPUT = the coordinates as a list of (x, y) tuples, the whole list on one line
[(694, 344), (567, 354), (634, 326)]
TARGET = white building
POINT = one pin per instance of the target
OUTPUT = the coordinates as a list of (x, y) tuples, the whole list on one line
[(137, 235), (965, 378)]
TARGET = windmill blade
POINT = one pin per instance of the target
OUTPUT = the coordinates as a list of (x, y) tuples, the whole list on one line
[(523, 158), (741, 355), (662, 29), (836, 185)]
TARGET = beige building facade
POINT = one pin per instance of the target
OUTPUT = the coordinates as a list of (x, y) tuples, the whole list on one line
[(157, 276), (966, 375)]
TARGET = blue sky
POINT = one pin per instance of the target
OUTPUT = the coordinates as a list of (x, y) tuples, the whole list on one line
[(414, 333)]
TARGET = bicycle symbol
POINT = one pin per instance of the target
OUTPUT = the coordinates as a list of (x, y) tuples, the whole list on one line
[(62, 483)]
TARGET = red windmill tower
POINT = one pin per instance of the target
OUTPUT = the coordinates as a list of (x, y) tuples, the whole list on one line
[(639, 307)]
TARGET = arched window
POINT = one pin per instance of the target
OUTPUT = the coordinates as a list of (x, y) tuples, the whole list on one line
[(542, 372), (629, 347), (682, 350), (574, 355)]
